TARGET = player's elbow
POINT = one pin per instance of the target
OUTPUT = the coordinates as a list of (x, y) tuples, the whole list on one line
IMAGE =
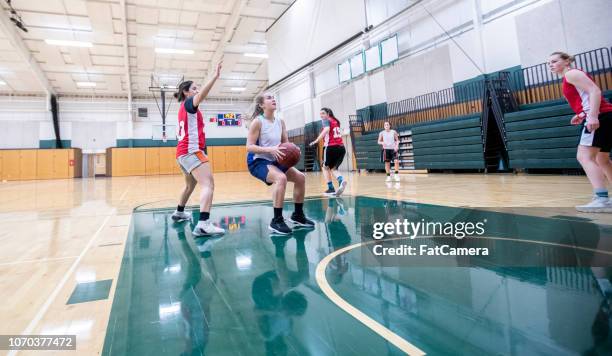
[(594, 90)]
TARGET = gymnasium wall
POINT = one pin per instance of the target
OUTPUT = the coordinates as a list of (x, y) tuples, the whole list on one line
[(511, 34), (569, 25), (94, 125), (308, 29)]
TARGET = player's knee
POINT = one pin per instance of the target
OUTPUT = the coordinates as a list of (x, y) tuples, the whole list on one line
[(191, 185), (603, 160), (583, 157), (280, 179), (300, 178)]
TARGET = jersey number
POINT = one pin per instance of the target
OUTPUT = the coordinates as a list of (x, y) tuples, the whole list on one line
[(337, 133), (181, 133)]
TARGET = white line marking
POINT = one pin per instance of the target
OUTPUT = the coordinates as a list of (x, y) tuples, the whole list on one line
[(38, 260)]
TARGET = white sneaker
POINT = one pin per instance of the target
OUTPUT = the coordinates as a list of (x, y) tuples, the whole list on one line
[(388, 179), (206, 228), (180, 216), (341, 188), (597, 205), (396, 177)]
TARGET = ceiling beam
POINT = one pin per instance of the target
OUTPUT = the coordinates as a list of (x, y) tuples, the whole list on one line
[(227, 35), (126, 55), (24, 52)]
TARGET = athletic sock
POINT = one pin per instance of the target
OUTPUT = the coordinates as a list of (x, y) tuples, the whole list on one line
[(278, 213), (601, 192), (299, 208), (340, 179), (396, 172), (204, 215), (180, 208), (330, 185), (388, 174)]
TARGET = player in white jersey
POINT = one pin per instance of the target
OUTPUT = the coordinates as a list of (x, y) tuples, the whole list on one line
[(389, 140)]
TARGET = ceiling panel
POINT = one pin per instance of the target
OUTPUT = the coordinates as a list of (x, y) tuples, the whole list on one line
[(198, 25)]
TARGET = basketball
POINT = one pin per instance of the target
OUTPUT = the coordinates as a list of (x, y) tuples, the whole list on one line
[(292, 154)]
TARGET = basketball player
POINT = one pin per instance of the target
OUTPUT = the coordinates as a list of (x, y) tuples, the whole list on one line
[(389, 139), (333, 152), (265, 135), (595, 113), (191, 157)]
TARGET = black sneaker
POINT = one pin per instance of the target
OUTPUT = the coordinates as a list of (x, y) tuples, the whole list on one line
[(278, 226), (301, 220), (330, 192)]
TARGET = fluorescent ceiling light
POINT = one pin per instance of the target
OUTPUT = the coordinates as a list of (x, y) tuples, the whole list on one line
[(238, 89), (86, 84), (174, 51), (257, 55), (69, 43)]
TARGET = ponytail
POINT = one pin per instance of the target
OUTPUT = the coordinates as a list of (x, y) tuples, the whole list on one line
[(183, 87), (258, 109)]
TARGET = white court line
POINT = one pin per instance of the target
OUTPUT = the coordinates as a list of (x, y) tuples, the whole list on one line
[(380, 329), (41, 312), (38, 260)]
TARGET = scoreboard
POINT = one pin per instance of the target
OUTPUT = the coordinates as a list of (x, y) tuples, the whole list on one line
[(229, 119)]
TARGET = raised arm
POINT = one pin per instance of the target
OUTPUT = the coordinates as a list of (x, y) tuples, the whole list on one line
[(199, 97)]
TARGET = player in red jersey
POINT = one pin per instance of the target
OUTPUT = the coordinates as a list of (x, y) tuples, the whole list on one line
[(191, 157), (595, 113), (333, 152)]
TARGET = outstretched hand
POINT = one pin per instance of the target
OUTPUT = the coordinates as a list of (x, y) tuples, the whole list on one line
[(219, 66)]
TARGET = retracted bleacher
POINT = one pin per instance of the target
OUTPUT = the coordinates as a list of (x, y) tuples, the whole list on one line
[(541, 136)]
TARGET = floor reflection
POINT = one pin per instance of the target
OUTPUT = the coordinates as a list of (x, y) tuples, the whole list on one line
[(256, 294)]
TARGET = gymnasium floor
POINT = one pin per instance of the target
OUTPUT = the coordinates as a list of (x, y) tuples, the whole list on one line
[(101, 258)]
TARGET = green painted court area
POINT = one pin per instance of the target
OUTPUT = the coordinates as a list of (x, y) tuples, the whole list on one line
[(249, 293)]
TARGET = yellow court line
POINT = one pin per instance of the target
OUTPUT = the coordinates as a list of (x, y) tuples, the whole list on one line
[(378, 328)]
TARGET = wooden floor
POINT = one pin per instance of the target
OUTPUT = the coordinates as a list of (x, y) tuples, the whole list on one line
[(54, 234)]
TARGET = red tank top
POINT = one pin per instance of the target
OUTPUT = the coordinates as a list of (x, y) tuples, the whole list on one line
[(190, 129), (334, 136), (578, 99)]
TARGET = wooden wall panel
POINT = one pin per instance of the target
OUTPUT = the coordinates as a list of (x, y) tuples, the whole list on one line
[(61, 164), (27, 164), (45, 164), (152, 163), (167, 160), (10, 165)]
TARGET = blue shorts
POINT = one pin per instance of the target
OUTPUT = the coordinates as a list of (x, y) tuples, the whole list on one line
[(259, 168)]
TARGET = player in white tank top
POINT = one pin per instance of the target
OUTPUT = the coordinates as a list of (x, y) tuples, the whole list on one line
[(266, 133), (389, 140)]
